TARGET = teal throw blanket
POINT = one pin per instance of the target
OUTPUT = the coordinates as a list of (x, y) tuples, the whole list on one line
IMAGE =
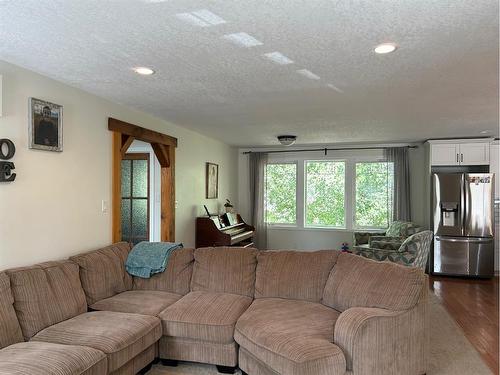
[(148, 258)]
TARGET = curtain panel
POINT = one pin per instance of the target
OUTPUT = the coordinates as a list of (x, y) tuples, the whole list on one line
[(401, 209), (257, 167)]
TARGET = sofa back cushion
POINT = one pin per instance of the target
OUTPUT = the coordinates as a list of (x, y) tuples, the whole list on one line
[(10, 330), (224, 270), (293, 274), (359, 282), (175, 279), (46, 294), (102, 271)]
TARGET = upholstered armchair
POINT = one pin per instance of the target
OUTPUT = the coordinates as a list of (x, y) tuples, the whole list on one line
[(391, 239), (413, 252)]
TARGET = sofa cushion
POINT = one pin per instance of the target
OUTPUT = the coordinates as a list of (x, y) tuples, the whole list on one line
[(146, 302), (120, 336), (46, 294), (293, 274), (204, 316), (224, 270), (175, 279), (10, 331), (291, 337), (103, 272), (43, 358), (359, 282)]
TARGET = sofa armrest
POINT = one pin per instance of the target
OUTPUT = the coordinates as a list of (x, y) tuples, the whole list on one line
[(379, 342), (362, 238)]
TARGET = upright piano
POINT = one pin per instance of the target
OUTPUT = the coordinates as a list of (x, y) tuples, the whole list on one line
[(223, 230)]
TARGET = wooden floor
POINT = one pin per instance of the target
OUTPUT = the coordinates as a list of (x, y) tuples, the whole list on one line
[(474, 306)]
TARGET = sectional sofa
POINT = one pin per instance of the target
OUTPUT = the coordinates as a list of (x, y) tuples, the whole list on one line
[(268, 312)]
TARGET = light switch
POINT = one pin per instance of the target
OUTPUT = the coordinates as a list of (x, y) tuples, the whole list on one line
[(104, 206)]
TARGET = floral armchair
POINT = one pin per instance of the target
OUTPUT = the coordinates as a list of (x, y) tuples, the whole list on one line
[(413, 252), (391, 239)]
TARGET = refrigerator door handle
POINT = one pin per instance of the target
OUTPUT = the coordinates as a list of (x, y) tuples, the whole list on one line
[(461, 240)]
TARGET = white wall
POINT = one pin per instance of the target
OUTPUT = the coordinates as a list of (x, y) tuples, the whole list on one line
[(313, 239), (53, 209)]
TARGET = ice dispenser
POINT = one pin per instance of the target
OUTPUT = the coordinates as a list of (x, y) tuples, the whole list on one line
[(449, 214)]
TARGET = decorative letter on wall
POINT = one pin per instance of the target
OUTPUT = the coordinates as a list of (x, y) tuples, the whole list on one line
[(6, 167)]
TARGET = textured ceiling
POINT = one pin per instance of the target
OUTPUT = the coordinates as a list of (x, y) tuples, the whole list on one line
[(441, 82)]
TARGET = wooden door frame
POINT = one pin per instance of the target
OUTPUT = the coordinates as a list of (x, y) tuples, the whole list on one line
[(163, 146)]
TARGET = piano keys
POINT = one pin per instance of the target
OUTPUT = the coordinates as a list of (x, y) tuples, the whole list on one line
[(223, 230)]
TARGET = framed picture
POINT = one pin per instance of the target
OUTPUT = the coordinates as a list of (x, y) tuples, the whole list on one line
[(45, 125), (212, 188)]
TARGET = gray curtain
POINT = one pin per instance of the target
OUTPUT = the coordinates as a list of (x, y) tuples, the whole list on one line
[(257, 166), (401, 209)]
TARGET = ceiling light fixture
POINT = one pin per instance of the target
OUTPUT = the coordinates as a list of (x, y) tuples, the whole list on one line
[(385, 48), (278, 58), (243, 40), (308, 74), (287, 140), (144, 71), (485, 131)]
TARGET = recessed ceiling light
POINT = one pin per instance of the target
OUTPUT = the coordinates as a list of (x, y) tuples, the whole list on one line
[(485, 131), (308, 74), (243, 39), (144, 71), (385, 48), (278, 58)]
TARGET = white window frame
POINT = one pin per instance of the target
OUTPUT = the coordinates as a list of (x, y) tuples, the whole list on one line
[(350, 158)]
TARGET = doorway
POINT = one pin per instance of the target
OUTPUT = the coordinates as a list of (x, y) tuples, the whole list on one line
[(135, 198)]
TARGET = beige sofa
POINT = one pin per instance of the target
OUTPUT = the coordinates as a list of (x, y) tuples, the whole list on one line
[(283, 312)]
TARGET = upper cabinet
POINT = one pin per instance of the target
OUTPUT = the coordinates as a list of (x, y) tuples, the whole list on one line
[(460, 152)]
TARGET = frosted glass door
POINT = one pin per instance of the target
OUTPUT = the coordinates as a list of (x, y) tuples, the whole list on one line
[(135, 198)]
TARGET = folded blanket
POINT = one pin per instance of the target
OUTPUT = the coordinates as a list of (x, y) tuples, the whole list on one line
[(148, 258)]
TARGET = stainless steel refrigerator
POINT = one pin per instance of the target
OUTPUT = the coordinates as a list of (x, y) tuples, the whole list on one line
[(463, 224)]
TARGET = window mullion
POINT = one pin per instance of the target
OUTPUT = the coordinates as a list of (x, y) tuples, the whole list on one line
[(349, 193), (300, 194)]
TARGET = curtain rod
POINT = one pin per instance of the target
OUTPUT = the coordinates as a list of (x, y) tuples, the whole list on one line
[(325, 150)]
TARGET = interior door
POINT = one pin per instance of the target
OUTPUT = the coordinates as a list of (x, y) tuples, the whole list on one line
[(135, 198), (474, 153)]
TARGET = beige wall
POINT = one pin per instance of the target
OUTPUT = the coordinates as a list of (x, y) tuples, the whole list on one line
[(53, 209)]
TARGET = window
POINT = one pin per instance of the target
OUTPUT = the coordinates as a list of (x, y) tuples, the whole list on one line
[(325, 193), (374, 191), (281, 193)]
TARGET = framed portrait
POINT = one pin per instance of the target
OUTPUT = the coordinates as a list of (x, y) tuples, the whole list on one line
[(45, 125), (212, 188)]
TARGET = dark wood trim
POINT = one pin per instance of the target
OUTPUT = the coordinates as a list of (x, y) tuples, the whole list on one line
[(140, 133), (164, 148)]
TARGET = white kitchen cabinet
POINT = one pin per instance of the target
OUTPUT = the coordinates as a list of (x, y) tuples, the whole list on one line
[(474, 153), (460, 152), (444, 154)]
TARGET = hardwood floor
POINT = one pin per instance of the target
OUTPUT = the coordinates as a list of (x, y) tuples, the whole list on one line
[(474, 306)]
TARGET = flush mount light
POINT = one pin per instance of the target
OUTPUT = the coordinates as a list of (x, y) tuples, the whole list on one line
[(243, 40), (485, 131), (144, 71), (278, 58), (287, 140), (308, 74), (385, 48)]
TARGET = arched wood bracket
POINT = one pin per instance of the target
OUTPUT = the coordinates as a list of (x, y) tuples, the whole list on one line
[(163, 146)]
